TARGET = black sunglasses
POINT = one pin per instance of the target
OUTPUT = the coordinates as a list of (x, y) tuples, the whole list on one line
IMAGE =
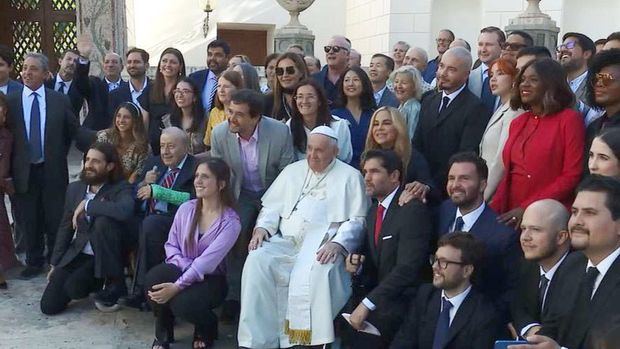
[(334, 49), (290, 70)]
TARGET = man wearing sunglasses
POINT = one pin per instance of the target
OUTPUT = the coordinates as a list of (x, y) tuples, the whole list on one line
[(465, 210), (337, 57), (603, 92), (451, 313), (574, 54), (515, 41)]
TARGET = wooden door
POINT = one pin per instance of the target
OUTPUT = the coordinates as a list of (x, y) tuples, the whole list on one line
[(46, 26), (252, 43)]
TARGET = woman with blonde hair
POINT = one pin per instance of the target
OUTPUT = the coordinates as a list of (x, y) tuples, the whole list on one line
[(388, 130), (408, 88), (227, 84)]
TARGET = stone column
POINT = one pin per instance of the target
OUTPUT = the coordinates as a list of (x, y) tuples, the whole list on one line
[(539, 25), (294, 32), (106, 23)]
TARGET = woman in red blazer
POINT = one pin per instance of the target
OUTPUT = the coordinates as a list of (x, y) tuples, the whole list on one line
[(543, 155)]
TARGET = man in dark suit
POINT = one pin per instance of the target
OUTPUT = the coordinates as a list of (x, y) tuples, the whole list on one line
[(167, 184), (595, 231), (99, 116), (394, 252), (218, 54), (381, 66), (451, 313), (451, 120), (43, 125), (546, 246), (465, 210), (257, 149), (88, 245), (137, 65), (7, 85), (72, 78), (337, 58)]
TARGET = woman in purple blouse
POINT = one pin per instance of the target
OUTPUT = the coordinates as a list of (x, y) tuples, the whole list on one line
[(192, 280)]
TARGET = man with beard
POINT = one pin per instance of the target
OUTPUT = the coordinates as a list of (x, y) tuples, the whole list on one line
[(466, 211), (595, 231), (574, 55), (381, 66), (451, 313), (443, 40), (515, 41), (72, 78), (87, 253), (137, 65), (218, 54), (337, 53), (546, 244)]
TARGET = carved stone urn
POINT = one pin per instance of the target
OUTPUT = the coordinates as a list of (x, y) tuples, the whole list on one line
[(294, 7)]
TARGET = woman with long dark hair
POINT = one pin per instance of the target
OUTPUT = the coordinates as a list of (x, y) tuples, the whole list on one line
[(356, 103), (159, 100), (129, 138), (192, 280), (604, 154), (311, 109), (543, 155), (188, 114), (290, 70)]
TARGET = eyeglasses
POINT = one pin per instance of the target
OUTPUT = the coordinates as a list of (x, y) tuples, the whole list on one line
[(512, 46), (569, 46), (334, 49), (441, 41), (290, 70), (182, 92), (604, 79), (443, 263)]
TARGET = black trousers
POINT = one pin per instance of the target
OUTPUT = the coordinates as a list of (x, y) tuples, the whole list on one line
[(73, 281), (107, 243), (38, 214), (153, 236), (248, 207), (194, 304)]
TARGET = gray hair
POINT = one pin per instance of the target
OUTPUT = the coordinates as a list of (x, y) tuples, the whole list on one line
[(43, 60), (112, 53), (414, 75), (176, 133), (461, 43), (421, 51), (462, 55), (250, 76), (345, 43), (403, 43)]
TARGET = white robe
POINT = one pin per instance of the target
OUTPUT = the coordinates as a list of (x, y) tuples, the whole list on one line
[(287, 297)]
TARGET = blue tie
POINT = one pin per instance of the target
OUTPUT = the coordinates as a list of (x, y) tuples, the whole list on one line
[(458, 224), (487, 97), (36, 150), (61, 89), (443, 325)]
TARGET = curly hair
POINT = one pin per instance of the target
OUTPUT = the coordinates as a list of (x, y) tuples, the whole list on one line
[(600, 61)]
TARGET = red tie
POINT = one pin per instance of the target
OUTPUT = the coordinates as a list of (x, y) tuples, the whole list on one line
[(378, 222)]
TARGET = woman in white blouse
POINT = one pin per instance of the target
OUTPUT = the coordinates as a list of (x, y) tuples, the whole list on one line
[(501, 78), (311, 109)]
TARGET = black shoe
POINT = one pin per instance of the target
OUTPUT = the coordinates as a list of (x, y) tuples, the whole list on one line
[(135, 301), (106, 300), (230, 311), (3, 285), (30, 272)]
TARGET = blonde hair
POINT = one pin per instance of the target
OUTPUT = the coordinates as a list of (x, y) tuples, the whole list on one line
[(402, 144)]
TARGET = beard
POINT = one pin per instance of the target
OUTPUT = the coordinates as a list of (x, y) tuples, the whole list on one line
[(91, 177)]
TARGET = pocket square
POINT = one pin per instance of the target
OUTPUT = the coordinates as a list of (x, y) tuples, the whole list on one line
[(387, 237)]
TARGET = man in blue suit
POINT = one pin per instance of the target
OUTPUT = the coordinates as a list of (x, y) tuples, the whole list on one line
[(465, 210), (7, 85), (218, 54), (381, 66)]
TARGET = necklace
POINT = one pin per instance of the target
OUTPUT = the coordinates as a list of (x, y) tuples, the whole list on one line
[(302, 195)]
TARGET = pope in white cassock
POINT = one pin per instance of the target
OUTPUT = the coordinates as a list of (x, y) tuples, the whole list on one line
[(294, 281)]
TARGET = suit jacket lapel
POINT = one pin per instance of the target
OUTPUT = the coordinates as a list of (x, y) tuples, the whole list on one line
[(235, 157), (451, 107), (462, 316), (263, 148), (186, 172), (389, 216), (372, 219), (606, 289)]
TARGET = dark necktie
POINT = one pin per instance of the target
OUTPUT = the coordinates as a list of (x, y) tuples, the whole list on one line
[(544, 282), (211, 98), (61, 88), (591, 275), (458, 224), (444, 104), (487, 97), (379, 222), (166, 183), (443, 325), (36, 149)]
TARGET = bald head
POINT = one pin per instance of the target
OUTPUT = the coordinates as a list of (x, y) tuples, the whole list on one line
[(416, 57), (453, 70), (461, 55), (112, 66), (461, 43), (544, 236)]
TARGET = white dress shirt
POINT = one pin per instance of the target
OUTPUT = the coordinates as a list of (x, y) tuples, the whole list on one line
[(456, 302), (209, 90), (451, 96), (113, 85), (469, 219), (603, 267), (379, 94), (574, 84), (27, 100), (137, 93), (5, 89), (59, 80)]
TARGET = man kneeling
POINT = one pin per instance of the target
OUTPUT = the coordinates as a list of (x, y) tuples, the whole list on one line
[(294, 280), (88, 245)]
